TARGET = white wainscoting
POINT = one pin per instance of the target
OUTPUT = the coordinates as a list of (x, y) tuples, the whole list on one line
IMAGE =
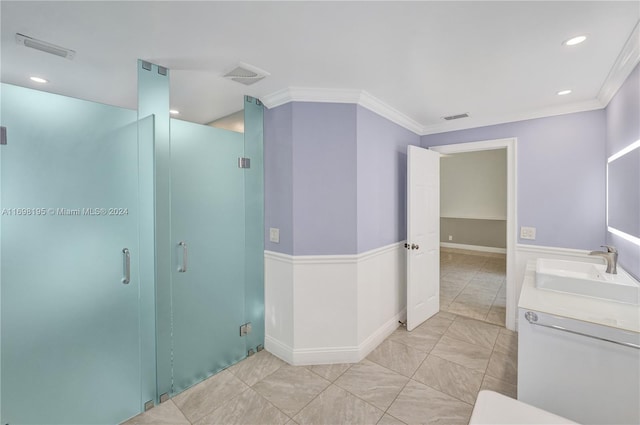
[(325, 309)]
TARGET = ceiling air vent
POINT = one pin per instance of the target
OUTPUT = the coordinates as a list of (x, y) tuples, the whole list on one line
[(246, 74), (43, 46), (456, 117)]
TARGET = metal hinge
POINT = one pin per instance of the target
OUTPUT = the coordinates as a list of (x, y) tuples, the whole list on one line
[(244, 162), (245, 329), (149, 405), (3, 135)]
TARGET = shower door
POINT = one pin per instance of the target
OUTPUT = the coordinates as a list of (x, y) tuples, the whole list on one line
[(208, 236), (69, 252)]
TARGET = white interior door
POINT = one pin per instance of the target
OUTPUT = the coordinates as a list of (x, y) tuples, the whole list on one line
[(423, 235)]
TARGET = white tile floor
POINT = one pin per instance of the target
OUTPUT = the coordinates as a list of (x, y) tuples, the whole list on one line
[(430, 375)]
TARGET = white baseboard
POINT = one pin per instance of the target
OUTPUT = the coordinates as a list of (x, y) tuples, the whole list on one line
[(331, 355), (278, 349), (376, 338), (473, 247)]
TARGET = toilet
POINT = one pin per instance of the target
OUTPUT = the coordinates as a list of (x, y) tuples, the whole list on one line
[(496, 409)]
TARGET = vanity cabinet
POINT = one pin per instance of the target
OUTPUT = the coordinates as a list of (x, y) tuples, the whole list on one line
[(578, 357)]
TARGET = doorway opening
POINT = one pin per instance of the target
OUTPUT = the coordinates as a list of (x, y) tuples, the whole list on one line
[(484, 218)]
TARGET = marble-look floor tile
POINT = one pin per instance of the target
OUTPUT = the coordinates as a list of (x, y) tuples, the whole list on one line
[(507, 343), (504, 367), (398, 357), (419, 404), (330, 372), (290, 388), (468, 309), (387, 419), (479, 285), (423, 339), (445, 301), (460, 275), (336, 406), (481, 298), (257, 367), (372, 383), (505, 388), (246, 408), (462, 353), (166, 413), (445, 315), (438, 323), (452, 284), (497, 315), (474, 332), (496, 278), (208, 395), (450, 378)]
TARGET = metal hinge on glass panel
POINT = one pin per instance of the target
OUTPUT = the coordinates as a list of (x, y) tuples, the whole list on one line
[(3, 135), (244, 163), (250, 99), (149, 405), (245, 329)]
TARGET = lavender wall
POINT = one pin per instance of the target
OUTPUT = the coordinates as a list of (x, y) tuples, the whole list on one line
[(623, 128), (335, 178), (324, 178), (561, 175), (382, 175), (278, 176)]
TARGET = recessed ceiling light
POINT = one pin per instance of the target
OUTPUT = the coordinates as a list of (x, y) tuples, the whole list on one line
[(38, 80), (563, 92), (174, 112), (575, 40)]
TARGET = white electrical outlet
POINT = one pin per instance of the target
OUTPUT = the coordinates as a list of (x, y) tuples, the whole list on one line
[(528, 233), (450, 237), (274, 235)]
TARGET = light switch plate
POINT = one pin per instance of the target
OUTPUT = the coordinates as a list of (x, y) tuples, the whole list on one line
[(274, 235), (528, 233)]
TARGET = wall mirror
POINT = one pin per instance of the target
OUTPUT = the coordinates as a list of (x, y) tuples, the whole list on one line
[(623, 191)]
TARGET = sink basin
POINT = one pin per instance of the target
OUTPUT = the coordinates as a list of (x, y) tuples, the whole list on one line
[(586, 279)]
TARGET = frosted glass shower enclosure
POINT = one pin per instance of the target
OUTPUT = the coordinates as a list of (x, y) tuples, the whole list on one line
[(72, 293), (131, 253)]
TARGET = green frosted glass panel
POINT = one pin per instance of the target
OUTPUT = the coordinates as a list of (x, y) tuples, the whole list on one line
[(146, 263), (70, 327), (207, 213), (153, 99), (254, 220)]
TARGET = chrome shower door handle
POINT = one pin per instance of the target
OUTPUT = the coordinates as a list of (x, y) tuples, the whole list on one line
[(185, 256), (126, 256)]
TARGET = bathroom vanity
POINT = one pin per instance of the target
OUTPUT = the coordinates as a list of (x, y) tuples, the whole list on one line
[(579, 353)]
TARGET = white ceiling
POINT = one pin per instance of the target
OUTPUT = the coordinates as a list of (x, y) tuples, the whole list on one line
[(497, 61)]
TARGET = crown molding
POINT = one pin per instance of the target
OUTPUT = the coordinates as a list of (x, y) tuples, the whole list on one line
[(471, 122), (627, 60), (368, 101), (359, 97)]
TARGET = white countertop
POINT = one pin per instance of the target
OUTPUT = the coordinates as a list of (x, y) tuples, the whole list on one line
[(593, 310)]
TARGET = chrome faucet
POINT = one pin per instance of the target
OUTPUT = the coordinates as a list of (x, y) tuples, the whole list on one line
[(610, 256)]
